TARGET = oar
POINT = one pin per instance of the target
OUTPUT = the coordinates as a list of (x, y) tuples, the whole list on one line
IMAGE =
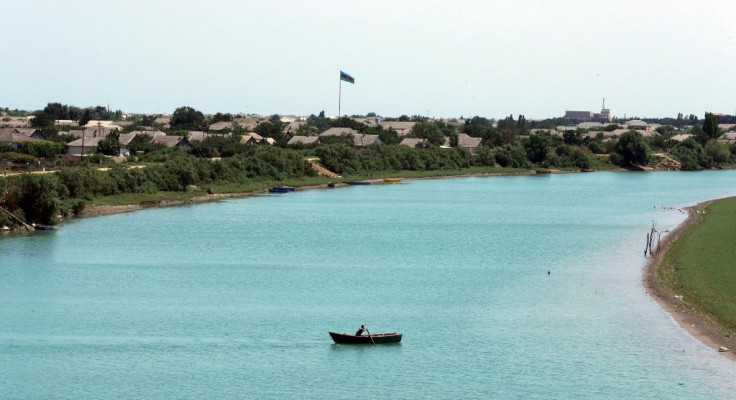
[(369, 336)]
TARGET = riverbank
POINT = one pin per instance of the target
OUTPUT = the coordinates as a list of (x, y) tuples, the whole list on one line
[(699, 325), (139, 202)]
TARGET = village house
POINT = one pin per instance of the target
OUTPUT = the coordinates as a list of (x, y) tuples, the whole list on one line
[(13, 138), (83, 146), (251, 138), (221, 126), (681, 137), (246, 123), (163, 121), (294, 126), (468, 142), (170, 141), (402, 128), (198, 136), (339, 132), (303, 140), (414, 142), (637, 125), (362, 140)]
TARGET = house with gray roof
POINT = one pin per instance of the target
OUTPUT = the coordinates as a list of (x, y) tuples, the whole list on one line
[(221, 126), (681, 137), (12, 138), (414, 142), (247, 123), (251, 138), (637, 124), (468, 142), (361, 140), (402, 128), (339, 132), (169, 141), (86, 145), (303, 140), (164, 121)]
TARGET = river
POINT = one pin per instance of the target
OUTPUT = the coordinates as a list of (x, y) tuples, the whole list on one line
[(504, 287)]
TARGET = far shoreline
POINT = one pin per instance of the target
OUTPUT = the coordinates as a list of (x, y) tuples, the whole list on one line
[(99, 210), (699, 325)]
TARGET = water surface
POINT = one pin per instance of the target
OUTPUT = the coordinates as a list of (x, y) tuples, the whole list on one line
[(234, 299)]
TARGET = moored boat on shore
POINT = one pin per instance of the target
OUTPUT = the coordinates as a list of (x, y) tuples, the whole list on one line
[(392, 180)]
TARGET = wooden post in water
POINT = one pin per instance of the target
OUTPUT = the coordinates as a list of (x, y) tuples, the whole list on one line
[(650, 239)]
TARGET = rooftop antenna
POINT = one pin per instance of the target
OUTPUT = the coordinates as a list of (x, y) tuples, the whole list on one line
[(604, 102)]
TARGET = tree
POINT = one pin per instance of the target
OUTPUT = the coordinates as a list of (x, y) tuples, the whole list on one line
[(710, 126), (274, 130), (537, 147), (110, 144), (58, 110), (220, 117), (85, 118), (429, 131), (633, 148), (42, 119), (522, 127), (387, 136), (691, 155), (39, 200), (187, 118), (717, 152)]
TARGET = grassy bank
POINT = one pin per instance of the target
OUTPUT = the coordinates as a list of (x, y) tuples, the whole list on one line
[(701, 263)]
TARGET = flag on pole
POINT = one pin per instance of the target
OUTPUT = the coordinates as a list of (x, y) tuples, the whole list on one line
[(346, 77)]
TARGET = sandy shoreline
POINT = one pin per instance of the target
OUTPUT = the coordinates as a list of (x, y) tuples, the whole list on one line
[(697, 324)]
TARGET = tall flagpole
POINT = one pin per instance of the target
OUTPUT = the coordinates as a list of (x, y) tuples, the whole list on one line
[(339, 100)]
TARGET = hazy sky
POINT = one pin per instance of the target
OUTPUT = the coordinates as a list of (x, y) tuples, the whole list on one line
[(446, 58)]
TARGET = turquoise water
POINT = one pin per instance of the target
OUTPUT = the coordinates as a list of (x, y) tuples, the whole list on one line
[(234, 299)]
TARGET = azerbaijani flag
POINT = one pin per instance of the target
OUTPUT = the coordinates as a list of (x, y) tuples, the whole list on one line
[(346, 77)]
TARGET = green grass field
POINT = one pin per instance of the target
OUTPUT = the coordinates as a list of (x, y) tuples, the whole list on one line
[(701, 263)]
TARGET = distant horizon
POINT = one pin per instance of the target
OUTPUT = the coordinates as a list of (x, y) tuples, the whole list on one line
[(528, 118)]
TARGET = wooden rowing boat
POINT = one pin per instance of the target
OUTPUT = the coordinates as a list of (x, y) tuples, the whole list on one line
[(376, 338)]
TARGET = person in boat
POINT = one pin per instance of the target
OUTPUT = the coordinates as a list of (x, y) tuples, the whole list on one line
[(360, 331)]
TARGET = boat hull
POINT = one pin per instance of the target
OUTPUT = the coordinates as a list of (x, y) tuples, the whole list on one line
[(378, 338)]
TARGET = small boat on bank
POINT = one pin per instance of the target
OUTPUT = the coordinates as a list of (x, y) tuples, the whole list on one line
[(358, 182), (281, 189), (392, 180), (43, 228), (376, 338)]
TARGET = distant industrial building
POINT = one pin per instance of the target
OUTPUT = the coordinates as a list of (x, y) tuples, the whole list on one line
[(603, 116)]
